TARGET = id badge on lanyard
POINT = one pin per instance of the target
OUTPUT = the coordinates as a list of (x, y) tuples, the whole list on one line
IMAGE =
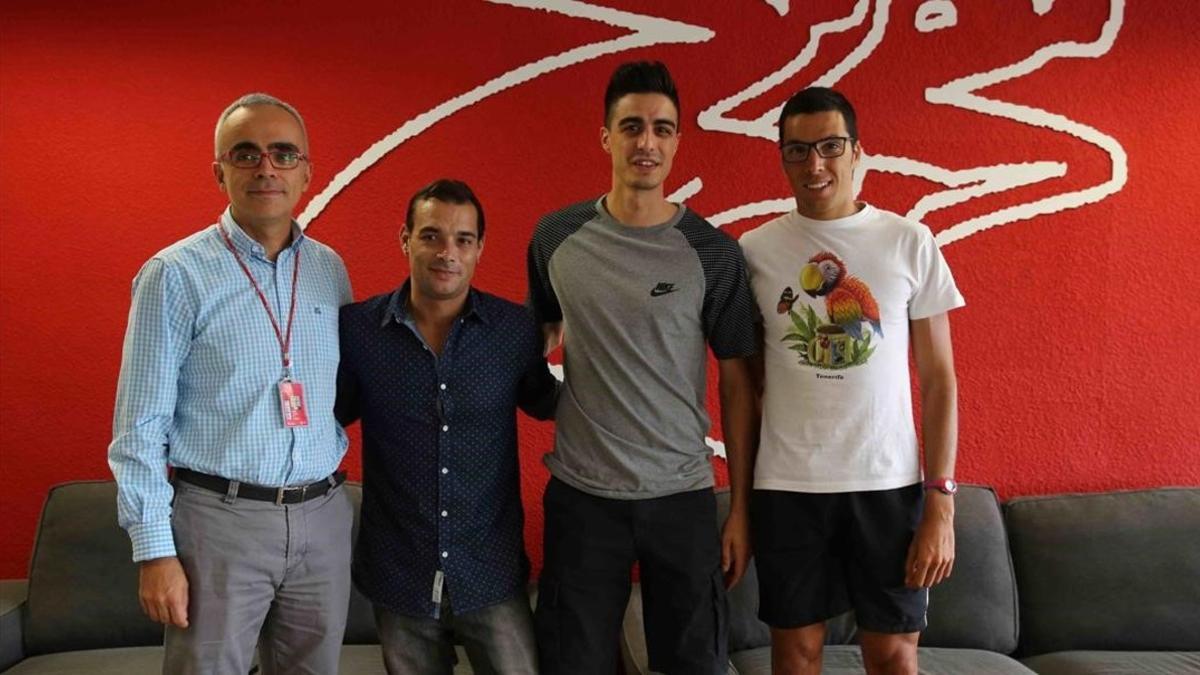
[(291, 402), (291, 392)]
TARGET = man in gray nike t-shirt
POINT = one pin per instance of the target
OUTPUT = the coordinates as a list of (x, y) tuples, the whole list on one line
[(638, 288)]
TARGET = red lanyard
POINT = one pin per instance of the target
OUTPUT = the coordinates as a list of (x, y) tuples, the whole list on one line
[(284, 340)]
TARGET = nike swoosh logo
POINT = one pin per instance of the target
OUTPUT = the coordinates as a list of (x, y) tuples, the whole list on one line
[(662, 289)]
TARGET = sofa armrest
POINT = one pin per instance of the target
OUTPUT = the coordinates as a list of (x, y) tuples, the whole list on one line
[(12, 603)]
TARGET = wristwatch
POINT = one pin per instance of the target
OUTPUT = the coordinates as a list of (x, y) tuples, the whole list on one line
[(944, 485)]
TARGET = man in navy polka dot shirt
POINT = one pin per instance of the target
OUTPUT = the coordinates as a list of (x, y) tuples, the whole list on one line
[(436, 371)]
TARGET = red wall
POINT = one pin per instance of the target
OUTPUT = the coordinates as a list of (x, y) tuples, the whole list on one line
[(1072, 351)]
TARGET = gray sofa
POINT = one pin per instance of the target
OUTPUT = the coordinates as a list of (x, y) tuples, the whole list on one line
[(1061, 585), (1109, 583)]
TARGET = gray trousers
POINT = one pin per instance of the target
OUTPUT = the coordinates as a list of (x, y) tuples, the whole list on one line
[(254, 568), (498, 639)]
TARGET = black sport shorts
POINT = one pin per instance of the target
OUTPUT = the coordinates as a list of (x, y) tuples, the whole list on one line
[(819, 555)]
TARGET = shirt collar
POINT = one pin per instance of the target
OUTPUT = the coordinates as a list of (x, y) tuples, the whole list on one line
[(245, 244), (396, 310)]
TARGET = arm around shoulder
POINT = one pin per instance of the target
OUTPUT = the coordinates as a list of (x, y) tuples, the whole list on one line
[(347, 407), (538, 390)]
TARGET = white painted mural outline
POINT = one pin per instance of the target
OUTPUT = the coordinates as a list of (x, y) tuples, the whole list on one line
[(647, 31), (780, 6), (965, 184), (961, 93), (935, 15), (962, 185)]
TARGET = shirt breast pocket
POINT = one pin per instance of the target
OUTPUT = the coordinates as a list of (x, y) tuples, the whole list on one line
[(317, 326)]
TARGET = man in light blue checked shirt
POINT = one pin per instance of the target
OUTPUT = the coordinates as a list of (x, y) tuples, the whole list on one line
[(228, 377)]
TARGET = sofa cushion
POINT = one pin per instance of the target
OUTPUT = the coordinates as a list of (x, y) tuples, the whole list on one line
[(13, 593), (976, 608), (117, 661), (355, 660), (944, 661), (1115, 663), (83, 586), (847, 660), (1111, 571), (368, 660)]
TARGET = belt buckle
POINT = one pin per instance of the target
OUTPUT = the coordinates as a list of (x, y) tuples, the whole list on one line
[(283, 490)]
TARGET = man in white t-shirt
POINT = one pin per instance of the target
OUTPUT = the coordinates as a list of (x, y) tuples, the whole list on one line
[(842, 515)]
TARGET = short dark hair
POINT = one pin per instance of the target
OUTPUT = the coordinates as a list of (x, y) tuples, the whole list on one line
[(446, 190), (816, 100), (639, 77)]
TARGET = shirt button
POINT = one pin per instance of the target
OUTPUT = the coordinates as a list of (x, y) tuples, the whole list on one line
[(445, 427), (443, 386), (445, 470), (445, 554), (445, 513)]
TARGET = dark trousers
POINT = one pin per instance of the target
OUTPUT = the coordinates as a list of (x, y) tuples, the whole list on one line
[(591, 544)]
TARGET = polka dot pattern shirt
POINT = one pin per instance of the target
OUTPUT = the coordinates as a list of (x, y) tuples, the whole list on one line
[(441, 486)]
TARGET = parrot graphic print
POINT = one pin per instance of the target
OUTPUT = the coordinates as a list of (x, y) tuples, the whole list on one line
[(842, 338)]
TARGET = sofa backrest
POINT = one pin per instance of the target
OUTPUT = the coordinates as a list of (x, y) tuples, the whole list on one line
[(83, 584), (976, 608), (1115, 570), (360, 622)]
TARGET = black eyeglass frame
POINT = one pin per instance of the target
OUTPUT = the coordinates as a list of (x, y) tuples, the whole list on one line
[(784, 148)]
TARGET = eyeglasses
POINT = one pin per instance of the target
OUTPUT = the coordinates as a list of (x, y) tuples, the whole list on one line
[(251, 158), (797, 151)]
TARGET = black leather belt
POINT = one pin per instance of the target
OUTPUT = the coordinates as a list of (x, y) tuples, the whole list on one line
[(283, 495)]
